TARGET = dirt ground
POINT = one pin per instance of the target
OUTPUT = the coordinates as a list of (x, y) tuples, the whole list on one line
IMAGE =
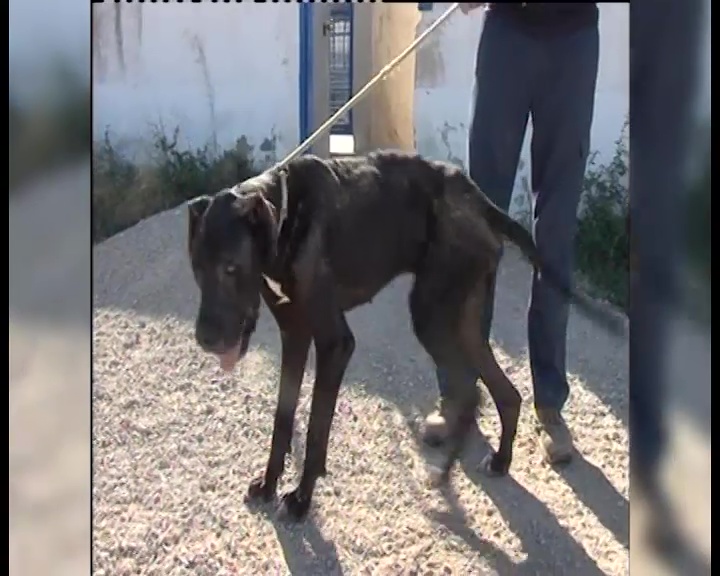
[(175, 443)]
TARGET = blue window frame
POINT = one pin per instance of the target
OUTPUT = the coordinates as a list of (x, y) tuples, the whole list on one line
[(341, 64), (340, 35)]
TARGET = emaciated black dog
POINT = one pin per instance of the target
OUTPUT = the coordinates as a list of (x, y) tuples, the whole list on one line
[(320, 237)]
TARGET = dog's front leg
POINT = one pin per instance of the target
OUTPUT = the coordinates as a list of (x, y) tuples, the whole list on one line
[(334, 345), (295, 347)]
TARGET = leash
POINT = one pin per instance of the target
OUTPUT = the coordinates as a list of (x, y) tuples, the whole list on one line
[(362, 93)]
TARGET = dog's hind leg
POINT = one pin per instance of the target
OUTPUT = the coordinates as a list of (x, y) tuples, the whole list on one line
[(295, 347), (506, 397), (448, 320), (435, 306)]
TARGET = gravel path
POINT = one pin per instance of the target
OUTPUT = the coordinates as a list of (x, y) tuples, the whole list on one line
[(176, 442)]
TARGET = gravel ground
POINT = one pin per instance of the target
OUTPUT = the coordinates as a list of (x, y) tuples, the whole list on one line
[(176, 442)]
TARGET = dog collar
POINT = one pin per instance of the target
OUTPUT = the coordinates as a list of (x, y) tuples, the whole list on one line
[(273, 285), (283, 201)]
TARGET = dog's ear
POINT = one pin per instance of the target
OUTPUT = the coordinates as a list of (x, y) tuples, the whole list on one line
[(261, 215), (196, 209)]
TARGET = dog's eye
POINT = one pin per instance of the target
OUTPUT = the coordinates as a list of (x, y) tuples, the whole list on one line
[(230, 269)]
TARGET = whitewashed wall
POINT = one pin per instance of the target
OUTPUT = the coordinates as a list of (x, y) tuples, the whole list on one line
[(218, 71), (443, 92)]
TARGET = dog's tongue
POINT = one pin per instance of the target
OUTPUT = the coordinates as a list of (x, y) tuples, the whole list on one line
[(230, 358)]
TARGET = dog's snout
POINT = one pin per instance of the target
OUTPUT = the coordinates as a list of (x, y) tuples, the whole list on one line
[(207, 335)]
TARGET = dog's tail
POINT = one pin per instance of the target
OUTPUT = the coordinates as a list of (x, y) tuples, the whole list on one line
[(516, 233)]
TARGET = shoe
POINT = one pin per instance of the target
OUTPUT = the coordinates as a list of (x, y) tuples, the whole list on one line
[(555, 438), (438, 424)]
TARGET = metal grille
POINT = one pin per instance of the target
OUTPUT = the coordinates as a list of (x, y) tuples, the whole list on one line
[(340, 35)]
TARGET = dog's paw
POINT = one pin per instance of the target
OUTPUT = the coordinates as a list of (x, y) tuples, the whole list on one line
[(494, 465), (295, 505), (260, 491)]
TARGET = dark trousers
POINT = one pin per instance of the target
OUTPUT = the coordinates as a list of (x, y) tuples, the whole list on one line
[(552, 80), (665, 67)]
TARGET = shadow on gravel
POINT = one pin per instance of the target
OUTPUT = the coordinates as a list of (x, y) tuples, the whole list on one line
[(456, 521), (592, 488), (305, 549), (549, 547)]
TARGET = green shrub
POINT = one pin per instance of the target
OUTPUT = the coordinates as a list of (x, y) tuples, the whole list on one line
[(125, 192), (602, 243)]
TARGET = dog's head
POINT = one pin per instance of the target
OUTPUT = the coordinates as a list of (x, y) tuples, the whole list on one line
[(231, 239)]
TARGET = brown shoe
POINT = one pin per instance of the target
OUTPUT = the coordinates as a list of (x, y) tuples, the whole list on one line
[(438, 424), (555, 439)]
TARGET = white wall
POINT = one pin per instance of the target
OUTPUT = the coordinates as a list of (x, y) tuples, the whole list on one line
[(442, 104), (249, 86)]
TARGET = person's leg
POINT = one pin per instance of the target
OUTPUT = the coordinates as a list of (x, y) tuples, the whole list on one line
[(562, 112), (664, 78), (504, 72)]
